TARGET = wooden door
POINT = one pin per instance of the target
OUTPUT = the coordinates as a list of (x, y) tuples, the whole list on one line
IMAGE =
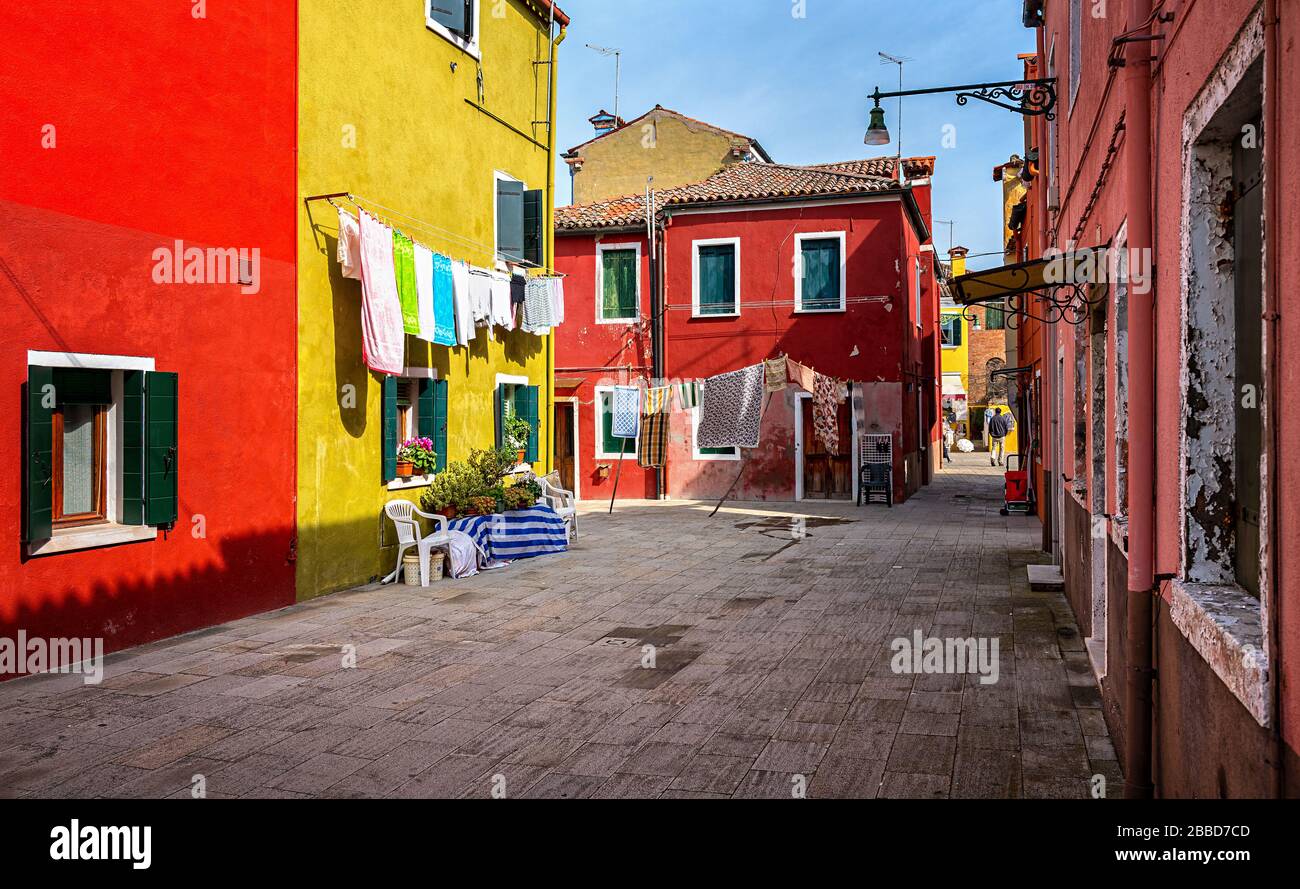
[(565, 460), (827, 476)]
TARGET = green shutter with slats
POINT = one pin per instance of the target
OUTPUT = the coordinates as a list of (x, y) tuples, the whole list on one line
[(440, 422), (133, 439), (718, 279), (38, 473), (609, 443), (510, 219), (526, 406), (535, 227), (820, 288), (501, 414), (432, 414), (618, 284), (161, 447), (389, 419)]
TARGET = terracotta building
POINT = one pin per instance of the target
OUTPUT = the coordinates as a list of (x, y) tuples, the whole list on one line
[(724, 291), (1155, 375)]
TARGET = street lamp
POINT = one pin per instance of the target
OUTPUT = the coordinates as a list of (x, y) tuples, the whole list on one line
[(1036, 97)]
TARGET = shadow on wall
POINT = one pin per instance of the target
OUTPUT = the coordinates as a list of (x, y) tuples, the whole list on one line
[(250, 574)]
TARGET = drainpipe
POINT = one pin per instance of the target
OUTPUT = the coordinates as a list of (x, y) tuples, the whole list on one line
[(1272, 305), (548, 459), (1141, 311)]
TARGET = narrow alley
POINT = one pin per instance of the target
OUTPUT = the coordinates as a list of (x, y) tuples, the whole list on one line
[(747, 654)]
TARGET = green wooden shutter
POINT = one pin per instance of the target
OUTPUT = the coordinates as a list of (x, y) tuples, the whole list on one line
[(619, 276), (510, 219), (162, 458), (389, 419), (432, 418), (821, 274), (133, 439), (38, 473), (718, 279), (440, 422), (527, 407), (535, 227), (501, 414)]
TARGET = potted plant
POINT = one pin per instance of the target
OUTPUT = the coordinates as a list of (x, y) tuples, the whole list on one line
[(416, 457), (482, 505), (449, 491), (516, 433), (519, 497)]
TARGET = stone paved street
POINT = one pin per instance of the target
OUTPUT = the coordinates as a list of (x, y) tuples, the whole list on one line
[(771, 673)]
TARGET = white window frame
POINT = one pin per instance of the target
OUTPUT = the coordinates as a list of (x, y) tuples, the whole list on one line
[(470, 46), (798, 271), (733, 457), (598, 443), (109, 532), (601, 249), (916, 283), (695, 276), (500, 264), (961, 321)]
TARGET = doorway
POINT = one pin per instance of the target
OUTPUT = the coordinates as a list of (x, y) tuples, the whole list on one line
[(819, 474), (566, 443)]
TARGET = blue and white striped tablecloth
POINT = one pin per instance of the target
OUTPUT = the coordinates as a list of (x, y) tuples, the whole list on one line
[(518, 534)]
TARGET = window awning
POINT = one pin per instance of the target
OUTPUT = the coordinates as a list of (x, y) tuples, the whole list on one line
[(952, 385), (1075, 270)]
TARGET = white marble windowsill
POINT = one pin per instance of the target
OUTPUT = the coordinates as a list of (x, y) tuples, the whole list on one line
[(1223, 623)]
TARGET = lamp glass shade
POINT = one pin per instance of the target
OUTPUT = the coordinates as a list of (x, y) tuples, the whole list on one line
[(877, 132)]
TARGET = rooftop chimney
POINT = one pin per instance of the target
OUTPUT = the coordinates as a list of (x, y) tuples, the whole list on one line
[(604, 122), (957, 255)]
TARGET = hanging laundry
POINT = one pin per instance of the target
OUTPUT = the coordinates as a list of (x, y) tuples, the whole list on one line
[(539, 315), (464, 309), (731, 409), (349, 247), (801, 376), (444, 311), (424, 290), (480, 295), (518, 289), (404, 270), (383, 341), (557, 299), (688, 395), (657, 399), (502, 314), (776, 376), (826, 415), (652, 444), (627, 411)]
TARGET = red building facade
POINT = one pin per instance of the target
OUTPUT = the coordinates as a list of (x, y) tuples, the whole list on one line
[(148, 287), (726, 290), (1165, 429)]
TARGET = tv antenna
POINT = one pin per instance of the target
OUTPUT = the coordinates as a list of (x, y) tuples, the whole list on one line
[(618, 55), (950, 223), (887, 59)]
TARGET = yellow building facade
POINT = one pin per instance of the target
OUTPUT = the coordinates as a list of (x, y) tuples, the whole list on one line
[(420, 118), (671, 147)]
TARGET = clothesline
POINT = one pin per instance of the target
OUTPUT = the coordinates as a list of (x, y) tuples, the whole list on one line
[(412, 222)]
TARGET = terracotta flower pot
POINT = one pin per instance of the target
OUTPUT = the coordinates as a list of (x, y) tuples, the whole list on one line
[(522, 453), (405, 468), (448, 512)]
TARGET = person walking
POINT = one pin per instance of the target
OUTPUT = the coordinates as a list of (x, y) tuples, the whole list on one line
[(947, 440), (988, 416), (998, 428)]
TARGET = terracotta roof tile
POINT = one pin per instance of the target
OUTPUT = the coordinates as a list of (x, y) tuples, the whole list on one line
[(753, 181)]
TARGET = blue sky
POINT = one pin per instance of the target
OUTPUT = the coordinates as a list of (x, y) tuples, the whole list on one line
[(799, 86)]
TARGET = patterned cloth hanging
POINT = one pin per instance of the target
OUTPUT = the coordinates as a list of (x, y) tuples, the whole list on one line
[(652, 446), (776, 376), (732, 409), (627, 411), (826, 420)]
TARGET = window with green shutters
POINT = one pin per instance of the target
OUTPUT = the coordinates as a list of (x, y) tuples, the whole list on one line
[(510, 220), (69, 448), (619, 279), (717, 270), (411, 408), (950, 330), (525, 401), (994, 317), (820, 273)]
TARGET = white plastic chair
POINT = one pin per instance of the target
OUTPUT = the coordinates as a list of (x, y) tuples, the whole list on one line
[(563, 502), (408, 535)]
